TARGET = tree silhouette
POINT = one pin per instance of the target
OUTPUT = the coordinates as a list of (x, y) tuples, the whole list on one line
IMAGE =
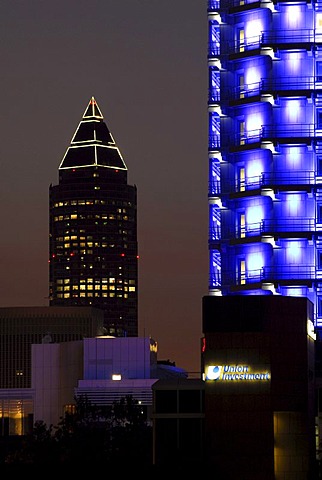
[(115, 435)]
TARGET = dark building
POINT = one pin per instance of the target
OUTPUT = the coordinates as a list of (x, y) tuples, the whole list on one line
[(258, 359), (93, 228), (20, 327), (178, 423)]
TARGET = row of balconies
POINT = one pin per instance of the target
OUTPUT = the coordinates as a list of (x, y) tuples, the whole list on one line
[(285, 132), (266, 227), (305, 37), (267, 179), (274, 86), (273, 274)]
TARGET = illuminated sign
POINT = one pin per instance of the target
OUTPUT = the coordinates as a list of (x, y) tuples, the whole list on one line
[(234, 373)]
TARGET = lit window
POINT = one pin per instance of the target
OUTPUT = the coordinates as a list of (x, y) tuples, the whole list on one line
[(318, 24)]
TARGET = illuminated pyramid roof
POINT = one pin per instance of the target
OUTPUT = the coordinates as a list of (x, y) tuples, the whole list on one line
[(92, 143)]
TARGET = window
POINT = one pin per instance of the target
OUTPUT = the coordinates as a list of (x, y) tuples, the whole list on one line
[(241, 85), (241, 131), (240, 178), (318, 21), (319, 118), (319, 71), (241, 271), (241, 39), (319, 213), (241, 225), (319, 164)]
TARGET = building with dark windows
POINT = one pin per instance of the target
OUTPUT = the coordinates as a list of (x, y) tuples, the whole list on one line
[(93, 228), (20, 327)]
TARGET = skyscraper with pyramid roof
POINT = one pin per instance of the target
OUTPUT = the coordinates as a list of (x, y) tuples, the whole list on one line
[(93, 228)]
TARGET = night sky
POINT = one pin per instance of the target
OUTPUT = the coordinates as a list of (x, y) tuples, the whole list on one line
[(145, 62)]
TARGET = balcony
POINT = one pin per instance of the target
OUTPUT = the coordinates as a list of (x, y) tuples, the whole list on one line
[(290, 37), (278, 133), (286, 274), (267, 179), (275, 227), (272, 39), (276, 87)]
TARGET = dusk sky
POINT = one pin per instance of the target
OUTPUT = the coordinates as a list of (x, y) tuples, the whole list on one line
[(145, 62)]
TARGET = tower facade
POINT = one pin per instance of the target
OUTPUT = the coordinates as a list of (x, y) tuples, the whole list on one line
[(265, 149), (93, 228)]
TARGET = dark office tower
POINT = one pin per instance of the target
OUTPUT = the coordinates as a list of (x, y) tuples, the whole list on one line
[(265, 149), (93, 228)]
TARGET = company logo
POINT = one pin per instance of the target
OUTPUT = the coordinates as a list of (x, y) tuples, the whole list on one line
[(234, 372), (214, 372)]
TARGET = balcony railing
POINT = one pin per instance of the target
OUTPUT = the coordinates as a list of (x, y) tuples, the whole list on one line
[(287, 225), (267, 132), (266, 85), (270, 39), (301, 177), (270, 275)]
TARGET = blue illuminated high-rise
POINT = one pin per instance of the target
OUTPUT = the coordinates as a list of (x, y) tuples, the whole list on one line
[(265, 148)]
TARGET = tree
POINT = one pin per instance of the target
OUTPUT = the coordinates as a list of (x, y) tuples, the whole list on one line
[(115, 435)]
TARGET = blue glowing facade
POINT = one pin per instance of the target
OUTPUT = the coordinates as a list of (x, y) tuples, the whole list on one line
[(265, 148)]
